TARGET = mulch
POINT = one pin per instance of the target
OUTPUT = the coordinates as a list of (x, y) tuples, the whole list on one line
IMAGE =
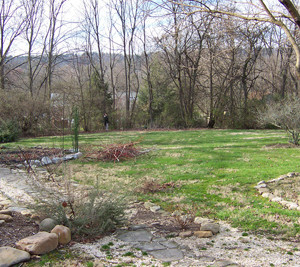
[(19, 228)]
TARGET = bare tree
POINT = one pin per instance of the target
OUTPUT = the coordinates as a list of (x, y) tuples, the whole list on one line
[(12, 23)]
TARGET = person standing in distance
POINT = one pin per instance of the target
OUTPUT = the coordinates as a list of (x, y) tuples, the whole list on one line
[(106, 121)]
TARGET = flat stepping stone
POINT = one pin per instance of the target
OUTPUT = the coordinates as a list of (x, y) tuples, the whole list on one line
[(136, 236), (150, 246), (169, 244), (166, 255)]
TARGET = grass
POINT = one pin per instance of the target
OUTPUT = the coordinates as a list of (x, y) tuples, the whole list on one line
[(214, 170)]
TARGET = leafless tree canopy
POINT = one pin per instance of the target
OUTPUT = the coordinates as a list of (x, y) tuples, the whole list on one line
[(146, 63)]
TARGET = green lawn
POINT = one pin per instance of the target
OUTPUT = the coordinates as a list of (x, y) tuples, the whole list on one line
[(215, 171)]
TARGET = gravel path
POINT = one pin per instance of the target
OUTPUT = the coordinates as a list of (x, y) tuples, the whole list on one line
[(228, 248)]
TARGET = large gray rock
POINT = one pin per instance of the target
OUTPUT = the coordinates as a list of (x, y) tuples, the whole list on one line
[(136, 236), (10, 256), (47, 225), (46, 161), (39, 244)]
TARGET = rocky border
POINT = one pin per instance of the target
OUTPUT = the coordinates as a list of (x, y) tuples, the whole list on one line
[(265, 191), (47, 160)]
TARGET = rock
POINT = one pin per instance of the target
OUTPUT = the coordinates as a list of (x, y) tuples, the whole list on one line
[(148, 204), (6, 218), (56, 160), (136, 236), (69, 157), (77, 155), (47, 225), (26, 213), (260, 186), (10, 256), (155, 208), (63, 233), (185, 234), (264, 190), (167, 255), (292, 206), (2, 222), (200, 220), (203, 234), (277, 199), (224, 263), (177, 213), (38, 244), (290, 174), (244, 240), (137, 227), (46, 161), (261, 182), (213, 227), (6, 212)]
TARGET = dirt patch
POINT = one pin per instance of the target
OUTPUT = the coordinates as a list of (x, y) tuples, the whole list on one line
[(274, 146), (19, 228)]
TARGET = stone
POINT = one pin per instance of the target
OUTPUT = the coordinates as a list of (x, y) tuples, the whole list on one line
[(224, 263), (155, 208), (292, 206), (69, 157), (63, 233), (10, 256), (2, 222), (6, 212), (150, 246), (38, 244), (148, 204), (203, 234), (6, 218), (46, 161), (56, 160), (77, 155), (277, 199), (176, 213), (213, 227), (169, 244), (137, 227), (264, 190), (47, 225), (185, 234), (261, 182), (136, 236), (167, 255), (260, 186), (200, 220)]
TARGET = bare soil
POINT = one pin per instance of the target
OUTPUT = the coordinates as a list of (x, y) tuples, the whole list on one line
[(19, 228)]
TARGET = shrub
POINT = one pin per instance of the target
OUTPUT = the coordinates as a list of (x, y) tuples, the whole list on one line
[(96, 214), (284, 114), (9, 131)]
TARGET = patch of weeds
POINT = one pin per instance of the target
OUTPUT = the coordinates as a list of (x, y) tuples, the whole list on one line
[(272, 264), (166, 263), (89, 264), (105, 247), (290, 253), (246, 249), (245, 234), (170, 236), (203, 248), (144, 253), (128, 254), (209, 243)]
